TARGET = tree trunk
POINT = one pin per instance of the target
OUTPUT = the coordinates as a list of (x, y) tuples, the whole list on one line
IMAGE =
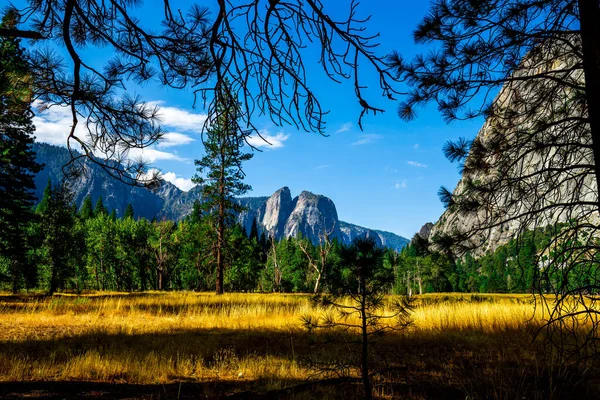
[(589, 19), (317, 283), (14, 275), (220, 240), (365, 347), (419, 278)]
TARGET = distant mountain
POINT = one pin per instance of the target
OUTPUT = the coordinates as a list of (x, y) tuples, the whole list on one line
[(280, 215)]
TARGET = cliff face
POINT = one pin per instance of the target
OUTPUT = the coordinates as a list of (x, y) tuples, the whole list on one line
[(278, 208), (532, 155), (279, 215), (313, 216)]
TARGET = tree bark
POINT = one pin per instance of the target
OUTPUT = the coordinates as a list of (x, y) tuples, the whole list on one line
[(589, 18), (365, 344), (17, 33), (221, 222)]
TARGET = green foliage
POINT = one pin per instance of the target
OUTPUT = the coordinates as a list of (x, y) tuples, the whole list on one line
[(129, 212), (99, 208), (57, 223), (87, 209), (17, 160)]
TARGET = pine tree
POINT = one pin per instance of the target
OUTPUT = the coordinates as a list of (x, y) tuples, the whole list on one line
[(100, 209), (17, 159), (57, 223), (129, 212), (87, 209), (43, 204), (254, 230), (223, 175)]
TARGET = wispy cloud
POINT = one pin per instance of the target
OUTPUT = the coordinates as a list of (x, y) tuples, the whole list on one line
[(171, 139), (416, 164), (320, 167), (267, 140), (416, 146), (345, 127), (151, 155), (179, 118), (366, 139), (400, 185)]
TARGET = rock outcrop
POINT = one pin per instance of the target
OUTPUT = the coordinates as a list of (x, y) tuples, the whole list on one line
[(534, 164)]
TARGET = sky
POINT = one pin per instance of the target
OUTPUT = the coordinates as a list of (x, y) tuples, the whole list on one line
[(385, 176)]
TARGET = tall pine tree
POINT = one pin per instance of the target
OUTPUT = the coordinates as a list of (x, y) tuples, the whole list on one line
[(17, 159), (220, 174), (100, 209), (87, 209)]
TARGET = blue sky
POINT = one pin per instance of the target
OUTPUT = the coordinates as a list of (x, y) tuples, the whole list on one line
[(384, 177)]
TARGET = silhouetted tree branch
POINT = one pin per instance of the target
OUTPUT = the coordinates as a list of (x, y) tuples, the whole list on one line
[(532, 69), (258, 46)]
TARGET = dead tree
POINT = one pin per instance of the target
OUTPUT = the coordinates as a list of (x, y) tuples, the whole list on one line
[(323, 250)]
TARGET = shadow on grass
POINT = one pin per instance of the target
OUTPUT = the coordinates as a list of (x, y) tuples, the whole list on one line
[(334, 388)]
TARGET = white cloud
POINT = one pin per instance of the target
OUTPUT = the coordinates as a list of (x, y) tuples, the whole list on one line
[(181, 183), (416, 164), (366, 139), (151, 155), (416, 146), (53, 125), (171, 139), (345, 127), (400, 185), (179, 118), (274, 141), (324, 166)]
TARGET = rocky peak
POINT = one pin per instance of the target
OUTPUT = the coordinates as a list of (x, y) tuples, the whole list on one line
[(277, 209), (313, 215), (425, 231)]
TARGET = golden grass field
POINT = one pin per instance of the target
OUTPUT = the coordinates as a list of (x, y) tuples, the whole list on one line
[(198, 345)]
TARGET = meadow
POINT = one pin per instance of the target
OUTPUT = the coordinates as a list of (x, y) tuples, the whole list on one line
[(198, 345)]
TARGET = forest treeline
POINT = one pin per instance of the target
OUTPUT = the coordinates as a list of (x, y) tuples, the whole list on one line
[(90, 248)]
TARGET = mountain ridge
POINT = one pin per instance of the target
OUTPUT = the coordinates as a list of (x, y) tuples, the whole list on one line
[(279, 215)]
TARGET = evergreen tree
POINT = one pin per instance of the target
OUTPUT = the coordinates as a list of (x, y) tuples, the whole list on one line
[(44, 202), (358, 298), (100, 209), (254, 230), (223, 175), (87, 209), (17, 160), (129, 212), (57, 222), (113, 215)]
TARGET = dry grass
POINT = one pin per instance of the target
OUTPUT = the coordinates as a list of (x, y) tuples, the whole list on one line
[(256, 341)]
